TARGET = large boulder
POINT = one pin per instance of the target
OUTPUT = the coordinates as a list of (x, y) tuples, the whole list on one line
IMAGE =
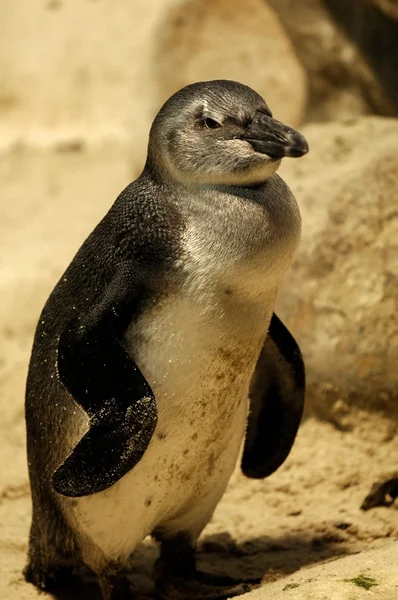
[(349, 51), (340, 297), (375, 35), (200, 40), (389, 7)]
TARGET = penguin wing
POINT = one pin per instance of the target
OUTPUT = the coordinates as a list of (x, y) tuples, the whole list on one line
[(104, 380), (276, 403)]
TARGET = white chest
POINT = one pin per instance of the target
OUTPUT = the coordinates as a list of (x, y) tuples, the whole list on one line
[(198, 353)]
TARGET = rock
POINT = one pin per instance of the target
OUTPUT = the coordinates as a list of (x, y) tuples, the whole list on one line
[(349, 52), (77, 68), (340, 297), (227, 39), (376, 37), (371, 573), (389, 7)]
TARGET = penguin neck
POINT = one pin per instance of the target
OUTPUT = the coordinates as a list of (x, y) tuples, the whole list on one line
[(165, 175), (185, 189), (268, 208)]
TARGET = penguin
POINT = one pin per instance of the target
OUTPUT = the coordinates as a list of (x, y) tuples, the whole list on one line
[(157, 360)]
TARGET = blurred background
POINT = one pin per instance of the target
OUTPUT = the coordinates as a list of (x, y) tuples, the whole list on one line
[(80, 83)]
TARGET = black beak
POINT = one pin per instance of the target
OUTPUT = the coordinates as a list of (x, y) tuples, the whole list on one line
[(271, 137)]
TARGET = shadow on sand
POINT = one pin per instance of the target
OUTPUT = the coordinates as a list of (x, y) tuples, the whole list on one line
[(270, 558)]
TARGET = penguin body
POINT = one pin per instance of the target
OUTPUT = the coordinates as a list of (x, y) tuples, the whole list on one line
[(152, 355)]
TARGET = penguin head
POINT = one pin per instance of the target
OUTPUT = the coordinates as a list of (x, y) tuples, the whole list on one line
[(220, 133)]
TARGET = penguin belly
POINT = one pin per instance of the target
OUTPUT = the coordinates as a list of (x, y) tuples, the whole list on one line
[(199, 361)]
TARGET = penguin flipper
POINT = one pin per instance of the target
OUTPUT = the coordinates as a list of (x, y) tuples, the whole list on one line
[(104, 380), (276, 403)]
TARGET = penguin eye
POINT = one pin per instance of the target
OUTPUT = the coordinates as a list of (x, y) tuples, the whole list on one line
[(211, 124)]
